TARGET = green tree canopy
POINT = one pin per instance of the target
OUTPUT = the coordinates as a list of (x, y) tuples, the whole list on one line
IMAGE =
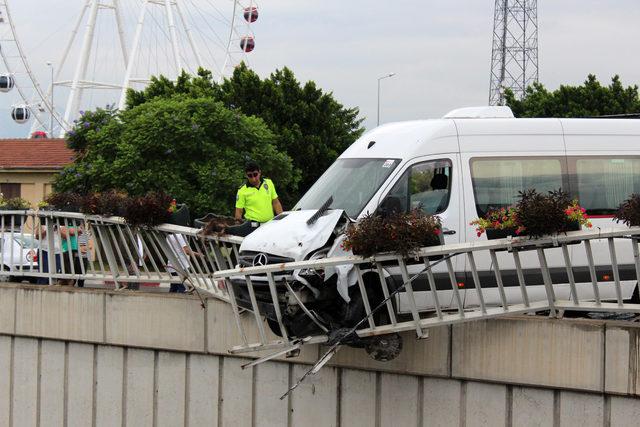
[(588, 100), (309, 125), (191, 148)]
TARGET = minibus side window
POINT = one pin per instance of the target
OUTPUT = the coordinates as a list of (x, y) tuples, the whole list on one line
[(425, 186), (602, 183), (498, 180)]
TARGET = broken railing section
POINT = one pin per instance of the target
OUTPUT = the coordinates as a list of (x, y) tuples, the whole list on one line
[(118, 253), (442, 260)]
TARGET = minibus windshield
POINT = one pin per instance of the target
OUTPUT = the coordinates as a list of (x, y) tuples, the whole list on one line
[(351, 183)]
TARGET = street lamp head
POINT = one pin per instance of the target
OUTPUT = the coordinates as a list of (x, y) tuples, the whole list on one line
[(49, 63), (386, 76)]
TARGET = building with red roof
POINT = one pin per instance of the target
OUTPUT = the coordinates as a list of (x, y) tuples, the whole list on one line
[(27, 166)]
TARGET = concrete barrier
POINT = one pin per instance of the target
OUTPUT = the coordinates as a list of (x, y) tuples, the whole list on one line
[(87, 357)]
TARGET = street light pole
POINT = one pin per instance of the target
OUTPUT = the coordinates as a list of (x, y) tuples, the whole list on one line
[(50, 65), (382, 78)]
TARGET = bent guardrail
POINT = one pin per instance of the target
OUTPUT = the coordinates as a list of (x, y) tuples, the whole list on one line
[(594, 270), (557, 274)]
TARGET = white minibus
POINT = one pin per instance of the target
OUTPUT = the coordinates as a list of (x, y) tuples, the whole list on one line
[(459, 167)]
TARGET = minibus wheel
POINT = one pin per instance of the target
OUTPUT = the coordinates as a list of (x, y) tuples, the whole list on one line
[(384, 348)]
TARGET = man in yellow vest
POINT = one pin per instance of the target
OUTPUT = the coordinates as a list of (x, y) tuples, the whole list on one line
[(257, 200)]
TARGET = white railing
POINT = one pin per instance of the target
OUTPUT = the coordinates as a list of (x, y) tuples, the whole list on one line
[(486, 296), (117, 253), (594, 270)]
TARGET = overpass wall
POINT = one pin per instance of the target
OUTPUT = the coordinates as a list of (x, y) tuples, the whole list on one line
[(83, 357)]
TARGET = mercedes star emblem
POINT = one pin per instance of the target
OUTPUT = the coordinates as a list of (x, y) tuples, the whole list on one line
[(260, 260)]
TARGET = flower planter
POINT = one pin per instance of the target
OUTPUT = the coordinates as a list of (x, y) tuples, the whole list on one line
[(495, 233), (180, 216), (435, 241)]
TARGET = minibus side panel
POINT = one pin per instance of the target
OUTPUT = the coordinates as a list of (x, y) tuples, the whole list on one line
[(603, 172), (500, 166)]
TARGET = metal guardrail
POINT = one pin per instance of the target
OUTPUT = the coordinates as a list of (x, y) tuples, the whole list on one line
[(556, 298), (500, 276), (117, 252)]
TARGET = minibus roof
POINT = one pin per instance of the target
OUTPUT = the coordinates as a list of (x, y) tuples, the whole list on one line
[(412, 139)]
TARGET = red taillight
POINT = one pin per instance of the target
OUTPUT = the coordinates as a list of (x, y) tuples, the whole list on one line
[(32, 256)]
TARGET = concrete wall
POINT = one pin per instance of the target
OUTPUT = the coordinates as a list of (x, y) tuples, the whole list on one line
[(83, 357)]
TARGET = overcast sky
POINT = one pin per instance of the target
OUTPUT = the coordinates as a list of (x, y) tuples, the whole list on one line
[(439, 50)]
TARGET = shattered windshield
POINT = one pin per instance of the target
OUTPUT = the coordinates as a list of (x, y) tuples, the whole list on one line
[(351, 183)]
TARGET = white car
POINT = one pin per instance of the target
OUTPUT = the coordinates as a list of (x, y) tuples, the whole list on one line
[(18, 251)]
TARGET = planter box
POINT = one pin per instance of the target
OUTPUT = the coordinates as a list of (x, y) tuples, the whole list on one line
[(181, 216), (494, 233)]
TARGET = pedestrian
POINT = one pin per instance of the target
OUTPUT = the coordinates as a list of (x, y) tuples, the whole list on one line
[(85, 250), (180, 248), (45, 251), (256, 201), (70, 254)]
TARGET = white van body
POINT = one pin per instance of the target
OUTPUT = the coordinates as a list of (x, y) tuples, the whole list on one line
[(488, 156)]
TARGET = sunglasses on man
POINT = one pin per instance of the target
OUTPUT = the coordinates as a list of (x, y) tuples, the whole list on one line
[(252, 174)]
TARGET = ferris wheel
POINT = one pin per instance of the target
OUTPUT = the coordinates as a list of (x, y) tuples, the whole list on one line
[(111, 46)]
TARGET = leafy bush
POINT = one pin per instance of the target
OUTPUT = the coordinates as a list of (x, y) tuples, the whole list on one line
[(218, 224), (14, 204), (403, 233), (629, 211), (106, 203), (535, 215), (149, 210), (541, 214), (498, 219), (65, 201)]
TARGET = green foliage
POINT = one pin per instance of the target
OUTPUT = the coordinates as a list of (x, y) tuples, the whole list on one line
[(309, 125), (14, 204), (589, 100), (191, 148), (629, 211)]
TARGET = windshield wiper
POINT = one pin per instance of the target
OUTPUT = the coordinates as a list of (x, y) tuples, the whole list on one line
[(325, 207)]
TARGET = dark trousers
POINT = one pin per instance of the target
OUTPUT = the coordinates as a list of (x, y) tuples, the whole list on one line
[(177, 287), (77, 259), (44, 260)]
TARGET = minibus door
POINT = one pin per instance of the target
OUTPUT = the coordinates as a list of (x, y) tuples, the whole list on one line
[(432, 184)]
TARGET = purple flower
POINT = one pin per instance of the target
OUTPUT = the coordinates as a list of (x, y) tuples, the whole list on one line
[(71, 133), (81, 112), (86, 125)]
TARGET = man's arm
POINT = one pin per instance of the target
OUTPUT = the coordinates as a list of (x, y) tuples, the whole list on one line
[(277, 207), (238, 214)]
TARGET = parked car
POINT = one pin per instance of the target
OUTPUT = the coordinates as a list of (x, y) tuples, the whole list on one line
[(18, 251)]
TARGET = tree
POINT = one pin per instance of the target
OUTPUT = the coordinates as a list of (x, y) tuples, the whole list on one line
[(309, 125), (589, 100), (192, 148)]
